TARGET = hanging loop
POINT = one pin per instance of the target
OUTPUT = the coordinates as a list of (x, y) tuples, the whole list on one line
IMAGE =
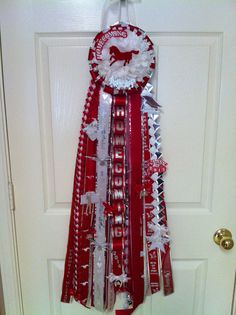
[(112, 9), (120, 19)]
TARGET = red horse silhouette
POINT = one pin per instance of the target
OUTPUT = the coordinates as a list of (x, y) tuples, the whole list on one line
[(116, 55)]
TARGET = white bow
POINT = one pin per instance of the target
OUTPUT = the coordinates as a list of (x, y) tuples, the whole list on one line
[(92, 130), (122, 278)]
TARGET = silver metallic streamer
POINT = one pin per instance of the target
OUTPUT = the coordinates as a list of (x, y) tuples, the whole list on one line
[(104, 117)]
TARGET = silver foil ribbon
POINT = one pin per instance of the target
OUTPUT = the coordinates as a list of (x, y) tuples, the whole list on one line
[(102, 160), (160, 231)]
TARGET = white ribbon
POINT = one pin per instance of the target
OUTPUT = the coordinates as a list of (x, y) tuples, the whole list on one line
[(89, 197), (159, 237)]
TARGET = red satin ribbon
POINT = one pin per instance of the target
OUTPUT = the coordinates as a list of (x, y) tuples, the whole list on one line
[(118, 184), (124, 312), (166, 259), (134, 141), (75, 282), (152, 254)]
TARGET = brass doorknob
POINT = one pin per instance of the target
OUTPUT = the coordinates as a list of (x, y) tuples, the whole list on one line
[(223, 238)]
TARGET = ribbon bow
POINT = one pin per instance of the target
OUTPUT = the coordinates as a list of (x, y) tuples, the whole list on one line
[(88, 199), (110, 210), (97, 159), (100, 245), (119, 280), (159, 238), (92, 130)]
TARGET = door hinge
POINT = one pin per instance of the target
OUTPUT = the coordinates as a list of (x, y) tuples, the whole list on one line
[(11, 196)]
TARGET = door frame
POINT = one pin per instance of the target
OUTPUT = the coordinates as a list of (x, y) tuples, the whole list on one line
[(8, 241)]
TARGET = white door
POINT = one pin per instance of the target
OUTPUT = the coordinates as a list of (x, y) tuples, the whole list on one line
[(45, 46)]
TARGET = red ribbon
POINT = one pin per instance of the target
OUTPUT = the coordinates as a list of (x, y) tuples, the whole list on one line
[(134, 140), (152, 254), (75, 275), (118, 183), (166, 260), (124, 312)]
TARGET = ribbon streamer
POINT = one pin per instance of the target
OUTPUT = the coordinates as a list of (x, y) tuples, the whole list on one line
[(103, 132)]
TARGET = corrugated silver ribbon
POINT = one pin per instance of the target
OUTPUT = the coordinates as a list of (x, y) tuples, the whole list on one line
[(160, 232), (102, 160)]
